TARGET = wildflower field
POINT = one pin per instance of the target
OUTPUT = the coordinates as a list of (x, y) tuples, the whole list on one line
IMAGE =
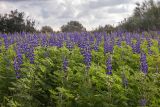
[(84, 69)]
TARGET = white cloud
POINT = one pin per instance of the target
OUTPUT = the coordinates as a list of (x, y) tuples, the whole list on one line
[(91, 13)]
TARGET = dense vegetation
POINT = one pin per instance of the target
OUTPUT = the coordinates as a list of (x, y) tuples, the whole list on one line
[(146, 17), (106, 67), (80, 70), (15, 22)]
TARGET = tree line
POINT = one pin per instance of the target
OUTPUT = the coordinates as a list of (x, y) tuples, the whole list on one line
[(146, 17), (15, 22)]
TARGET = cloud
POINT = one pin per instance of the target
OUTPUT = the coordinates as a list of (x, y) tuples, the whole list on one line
[(105, 3), (91, 13)]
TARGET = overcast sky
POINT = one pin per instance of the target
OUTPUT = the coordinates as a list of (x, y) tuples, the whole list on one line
[(55, 13)]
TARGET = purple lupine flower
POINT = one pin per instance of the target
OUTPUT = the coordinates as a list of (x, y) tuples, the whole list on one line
[(128, 39), (18, 74), (51, 41), (86, 52), (18, 61), (30, 54), (32, 58), (109, 66), (96, 47), (34, 42), (107, 47), (149, 44), (44, 41), (6, 42), (59, 43), (143, 102), (69, 45), (98, 41), (12, 39), (136, 48), (87, 58), (144, 65), (118, 42), (91, 39)]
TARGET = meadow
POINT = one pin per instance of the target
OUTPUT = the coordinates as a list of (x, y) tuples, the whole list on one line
[(84, 69)]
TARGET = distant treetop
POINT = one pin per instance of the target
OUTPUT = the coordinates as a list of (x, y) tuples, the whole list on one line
[(73, 26)]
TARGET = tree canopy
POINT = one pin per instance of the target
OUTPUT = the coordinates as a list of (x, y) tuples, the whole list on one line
[(146, 17), (107, 28), (15, 22), (73, 26), (45, 29)]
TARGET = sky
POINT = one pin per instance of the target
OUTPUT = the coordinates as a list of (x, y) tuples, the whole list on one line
[(55, 13)]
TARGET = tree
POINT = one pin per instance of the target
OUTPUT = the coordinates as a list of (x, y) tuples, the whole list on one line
[(15, 22), (45, 29), (73, 26), (107, 28), (146, 17)]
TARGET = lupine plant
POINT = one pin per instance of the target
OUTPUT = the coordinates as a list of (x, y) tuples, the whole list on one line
[(84, 69)]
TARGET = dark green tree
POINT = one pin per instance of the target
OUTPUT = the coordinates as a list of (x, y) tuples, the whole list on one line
[(15, 22), (45, 29), (146, 17), (107, 28), (73, 26)]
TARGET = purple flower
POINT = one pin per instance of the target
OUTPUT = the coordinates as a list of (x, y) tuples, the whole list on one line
[(18, 61), (118, 42), (18, 74), (96, 47), (59, 43), (6, 41), (128, 39), (87, 58), (109, 66), (69, 45), (144, 65), (51, 41), (44, 42), (149, 46), (136, 48), (109, 72), (30, 54), (108, 47), (143, 102)]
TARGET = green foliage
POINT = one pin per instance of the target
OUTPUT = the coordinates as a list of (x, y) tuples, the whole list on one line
[(146, 17), (45, 29), (46, 84), (15, 22), (73, 26), (106, 28)]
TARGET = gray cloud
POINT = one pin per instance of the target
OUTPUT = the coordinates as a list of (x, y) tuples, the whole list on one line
[(118, 9), (105, 3), (55, 13)]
